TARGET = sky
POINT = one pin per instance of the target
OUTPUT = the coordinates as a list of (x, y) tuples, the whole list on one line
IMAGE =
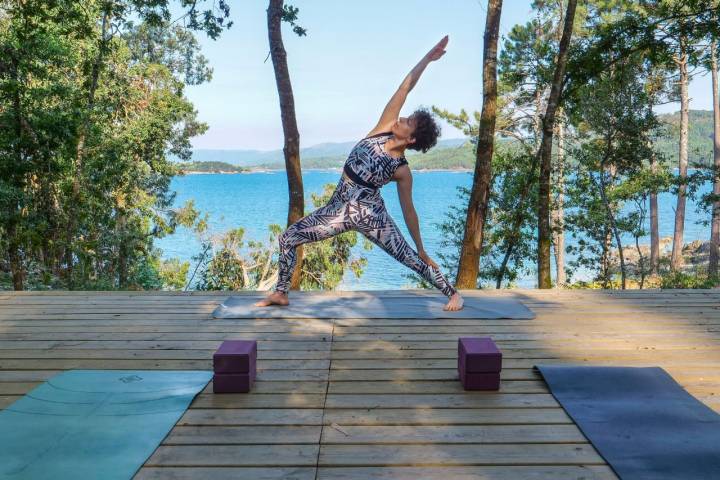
[(344, 71)]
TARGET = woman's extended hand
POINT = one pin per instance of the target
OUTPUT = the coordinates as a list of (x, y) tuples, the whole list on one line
[(438, 50), (426, 258)]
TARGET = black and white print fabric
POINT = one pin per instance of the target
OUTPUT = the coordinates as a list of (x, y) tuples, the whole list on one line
[(371, 162), (360, 208)]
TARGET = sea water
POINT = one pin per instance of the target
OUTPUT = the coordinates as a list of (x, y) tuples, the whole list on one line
[(255, 200)]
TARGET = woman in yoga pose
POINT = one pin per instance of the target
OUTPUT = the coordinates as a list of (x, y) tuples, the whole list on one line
[(357, 204)]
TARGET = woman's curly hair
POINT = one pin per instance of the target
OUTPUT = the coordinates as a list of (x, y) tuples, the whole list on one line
[(426, 131)]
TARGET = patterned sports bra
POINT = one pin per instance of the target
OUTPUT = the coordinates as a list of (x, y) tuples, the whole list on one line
[(369, 165)]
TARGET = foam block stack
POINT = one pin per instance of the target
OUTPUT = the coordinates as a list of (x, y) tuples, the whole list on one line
[(479, 363), (234, 365)]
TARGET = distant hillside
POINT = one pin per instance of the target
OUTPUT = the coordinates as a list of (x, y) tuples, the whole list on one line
[(209, 167), (700, 137), (247, 158), (448, 154), (440, 157)]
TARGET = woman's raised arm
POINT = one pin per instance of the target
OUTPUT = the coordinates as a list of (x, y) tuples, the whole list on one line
[(392, 110)]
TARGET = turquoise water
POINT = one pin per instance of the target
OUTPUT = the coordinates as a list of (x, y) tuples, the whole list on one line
[(255, 200)]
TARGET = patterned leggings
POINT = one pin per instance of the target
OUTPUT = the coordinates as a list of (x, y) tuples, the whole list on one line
[(354, 207)]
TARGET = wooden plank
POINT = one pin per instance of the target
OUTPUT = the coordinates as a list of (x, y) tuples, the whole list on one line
[(448, 454), (588, 342), (254, 400), (465, 400), (115, 336), (183, 345), (235, 455), (252, 417), (158, 354), (642, 360), (454, 386), (227, 473), (505, 472), (407, 375), (243, 435), (650, 336), (566, 351), (452, 434), (562, 317), (446, 416), (275, 328), (102, 363)]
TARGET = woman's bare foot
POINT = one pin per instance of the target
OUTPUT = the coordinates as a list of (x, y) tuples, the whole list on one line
[(455, 303), (275, 298)]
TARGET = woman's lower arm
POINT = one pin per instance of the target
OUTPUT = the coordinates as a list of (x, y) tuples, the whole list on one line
[(414, 75), (413, 224)]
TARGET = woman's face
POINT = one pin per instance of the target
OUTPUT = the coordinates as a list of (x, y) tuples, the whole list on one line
[(404, 128)]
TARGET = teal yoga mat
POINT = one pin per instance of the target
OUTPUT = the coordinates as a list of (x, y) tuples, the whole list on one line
[(93, 424), (371, 305)]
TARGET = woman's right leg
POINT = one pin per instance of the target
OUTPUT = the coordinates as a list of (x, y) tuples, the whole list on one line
[(325, 222)]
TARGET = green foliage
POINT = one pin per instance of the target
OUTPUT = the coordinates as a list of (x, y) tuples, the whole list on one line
[(612, 154), (228, 269), (173, 274), (91, 105), (227, 263), (700, 138), (508, 245), (209, 167), (289, 15), (677, 279)]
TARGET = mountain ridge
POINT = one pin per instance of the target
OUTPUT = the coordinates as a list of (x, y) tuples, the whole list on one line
[(248, 158)]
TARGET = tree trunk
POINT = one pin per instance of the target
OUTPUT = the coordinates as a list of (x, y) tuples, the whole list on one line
[(676, 260), (15, 258), (14, 248), (470, 251), (612, 224), (544, 230), (80, 150), (558, 212), (715, 225), (606, 263), (122, 258), (654, 225), (520, 213), (291, 149)]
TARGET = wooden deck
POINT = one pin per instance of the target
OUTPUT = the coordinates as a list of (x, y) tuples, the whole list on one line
[(359, 398)]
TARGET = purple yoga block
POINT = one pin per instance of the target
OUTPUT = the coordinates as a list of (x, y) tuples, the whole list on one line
[(480, 381), (478, 355), (233, 382), (236, 356)]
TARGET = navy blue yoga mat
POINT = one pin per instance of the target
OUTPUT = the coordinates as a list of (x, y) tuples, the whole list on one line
[(640, 420), (87, 424)]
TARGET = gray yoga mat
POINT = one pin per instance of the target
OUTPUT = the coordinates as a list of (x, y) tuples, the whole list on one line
[(372, 306), (640, 420), (93, 423)]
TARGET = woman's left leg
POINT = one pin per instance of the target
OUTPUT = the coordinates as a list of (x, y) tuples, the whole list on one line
[(384, 233)]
